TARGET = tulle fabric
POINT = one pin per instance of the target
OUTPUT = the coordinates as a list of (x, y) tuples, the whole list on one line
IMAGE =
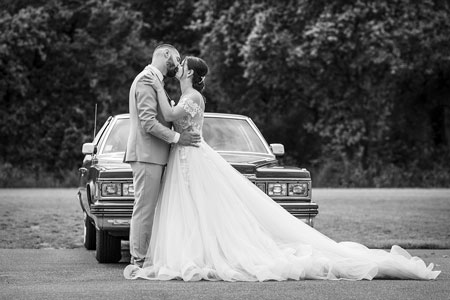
[(211, 223)]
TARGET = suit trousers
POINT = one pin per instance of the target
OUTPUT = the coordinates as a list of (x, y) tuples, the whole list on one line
[(147, 184)]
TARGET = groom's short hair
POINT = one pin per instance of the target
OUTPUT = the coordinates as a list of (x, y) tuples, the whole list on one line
[(163, 47)]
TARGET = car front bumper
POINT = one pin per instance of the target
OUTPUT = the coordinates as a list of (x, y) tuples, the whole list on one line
[(115, 217)]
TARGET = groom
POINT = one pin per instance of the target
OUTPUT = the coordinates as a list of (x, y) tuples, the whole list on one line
[(148, 147)]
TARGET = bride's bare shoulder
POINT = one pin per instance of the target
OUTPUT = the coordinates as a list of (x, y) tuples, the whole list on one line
[(196, 98)]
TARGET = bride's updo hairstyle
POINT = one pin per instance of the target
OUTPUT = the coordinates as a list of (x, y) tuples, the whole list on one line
[(200, 69)]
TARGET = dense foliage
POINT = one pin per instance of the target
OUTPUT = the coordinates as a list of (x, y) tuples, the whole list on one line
[(57, 61), (358, 91)]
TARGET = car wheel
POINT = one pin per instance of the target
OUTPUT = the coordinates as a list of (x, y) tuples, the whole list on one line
[(107, 247), (89, 233)]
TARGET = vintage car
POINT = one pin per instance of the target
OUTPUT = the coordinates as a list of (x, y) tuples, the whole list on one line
[(106, 192)]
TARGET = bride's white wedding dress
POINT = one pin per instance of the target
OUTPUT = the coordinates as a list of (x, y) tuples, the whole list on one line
[(212, 223)]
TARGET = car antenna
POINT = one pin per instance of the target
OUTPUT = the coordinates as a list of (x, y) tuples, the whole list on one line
[(95, 119)]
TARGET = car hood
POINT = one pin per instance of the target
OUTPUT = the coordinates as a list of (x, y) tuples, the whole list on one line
[(259, 165)]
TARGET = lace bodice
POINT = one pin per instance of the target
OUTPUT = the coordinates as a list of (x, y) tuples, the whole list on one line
[(194, 117)]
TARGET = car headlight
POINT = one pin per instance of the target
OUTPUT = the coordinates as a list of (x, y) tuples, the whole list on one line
[(128, 189), (111, 189), (261, 186), (277, 189), (298, 189)]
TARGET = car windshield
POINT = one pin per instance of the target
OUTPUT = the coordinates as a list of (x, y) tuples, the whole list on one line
[(221, 134), (225, 134)]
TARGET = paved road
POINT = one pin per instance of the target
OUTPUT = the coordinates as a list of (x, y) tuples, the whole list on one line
[(75, 274)]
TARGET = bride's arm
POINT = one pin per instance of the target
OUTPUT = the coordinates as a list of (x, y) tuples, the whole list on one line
[(169, 113)]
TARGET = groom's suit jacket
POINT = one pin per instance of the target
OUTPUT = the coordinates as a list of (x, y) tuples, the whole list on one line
[(150, 135)]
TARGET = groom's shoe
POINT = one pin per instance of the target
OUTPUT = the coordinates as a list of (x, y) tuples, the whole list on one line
[(137, 261)]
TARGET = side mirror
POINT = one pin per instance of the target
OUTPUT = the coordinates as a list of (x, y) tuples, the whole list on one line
[(277, 149), (89, 148)]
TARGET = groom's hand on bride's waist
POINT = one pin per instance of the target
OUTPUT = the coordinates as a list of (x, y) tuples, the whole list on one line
[(189, 138)]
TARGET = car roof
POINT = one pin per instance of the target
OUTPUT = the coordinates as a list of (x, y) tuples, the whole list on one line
[(207, 114)]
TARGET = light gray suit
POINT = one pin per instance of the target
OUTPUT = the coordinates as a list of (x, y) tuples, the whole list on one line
[(147, 152)]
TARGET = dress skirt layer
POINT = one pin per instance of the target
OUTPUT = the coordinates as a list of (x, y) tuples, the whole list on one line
[(212, 223)]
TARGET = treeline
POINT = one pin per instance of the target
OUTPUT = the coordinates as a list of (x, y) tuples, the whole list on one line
[(357, 91)]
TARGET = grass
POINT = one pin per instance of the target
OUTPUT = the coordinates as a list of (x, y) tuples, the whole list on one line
[(40, 218), (377, 218)]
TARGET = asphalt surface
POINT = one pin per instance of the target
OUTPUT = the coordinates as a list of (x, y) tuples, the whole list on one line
[(75, 274)]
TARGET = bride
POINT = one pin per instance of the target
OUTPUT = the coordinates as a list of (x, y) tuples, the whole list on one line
[(212, 223)]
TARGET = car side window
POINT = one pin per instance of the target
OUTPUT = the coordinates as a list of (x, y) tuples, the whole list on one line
[(118, 137)]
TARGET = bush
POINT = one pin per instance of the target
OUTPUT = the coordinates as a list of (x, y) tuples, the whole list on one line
[(423, 173), (15, 177)]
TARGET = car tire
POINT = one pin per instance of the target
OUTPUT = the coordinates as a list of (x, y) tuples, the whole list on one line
[(108, 248), (89, 233)]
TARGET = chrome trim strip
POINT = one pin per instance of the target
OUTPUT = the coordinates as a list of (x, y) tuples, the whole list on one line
[(129, 203), (287, 179), (114, 180), (244, 153), (225, 116), (119, 222), (299, 203), (115, 198)]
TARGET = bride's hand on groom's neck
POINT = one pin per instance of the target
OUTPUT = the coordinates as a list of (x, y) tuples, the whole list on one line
[(152, 80)]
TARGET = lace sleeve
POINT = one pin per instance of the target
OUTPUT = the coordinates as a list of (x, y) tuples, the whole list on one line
[(190, 106)]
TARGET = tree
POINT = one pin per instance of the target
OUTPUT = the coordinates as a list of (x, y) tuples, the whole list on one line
[(356, 90), (340, 68), (57, 61)]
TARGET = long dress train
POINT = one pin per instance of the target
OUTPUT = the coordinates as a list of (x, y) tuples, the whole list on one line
[(212, 223)]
